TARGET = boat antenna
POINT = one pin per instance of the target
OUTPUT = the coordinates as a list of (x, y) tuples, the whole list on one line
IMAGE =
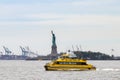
[(72, 47), (80, 47), (77, 48)]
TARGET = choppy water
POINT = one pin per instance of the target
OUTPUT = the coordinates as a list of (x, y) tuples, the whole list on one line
[(34, 70)]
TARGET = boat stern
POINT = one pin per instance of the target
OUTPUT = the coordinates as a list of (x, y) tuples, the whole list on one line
[(93, 68)]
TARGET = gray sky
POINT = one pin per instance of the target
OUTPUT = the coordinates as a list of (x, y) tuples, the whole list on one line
[(92, 24)]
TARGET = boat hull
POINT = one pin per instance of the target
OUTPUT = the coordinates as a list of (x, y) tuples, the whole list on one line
[(67, 68)]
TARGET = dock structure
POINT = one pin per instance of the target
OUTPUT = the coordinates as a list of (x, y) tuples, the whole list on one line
[(9, 55)]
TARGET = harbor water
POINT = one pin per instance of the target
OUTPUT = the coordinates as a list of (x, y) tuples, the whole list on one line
[(34, 70)]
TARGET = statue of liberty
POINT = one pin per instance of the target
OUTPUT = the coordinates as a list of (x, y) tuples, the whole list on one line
[(53, 39), (54, 46)]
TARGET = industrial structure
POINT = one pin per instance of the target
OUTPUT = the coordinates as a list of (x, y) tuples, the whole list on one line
[(27, 52), (9, 55)]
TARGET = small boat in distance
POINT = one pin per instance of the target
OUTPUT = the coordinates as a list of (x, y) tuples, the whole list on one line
[(67, 62)]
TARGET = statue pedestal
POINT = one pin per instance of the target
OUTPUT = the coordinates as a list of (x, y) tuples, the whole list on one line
[(53, 54), (54, 50)]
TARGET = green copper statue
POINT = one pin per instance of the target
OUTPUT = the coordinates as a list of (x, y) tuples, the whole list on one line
[(53, 39)]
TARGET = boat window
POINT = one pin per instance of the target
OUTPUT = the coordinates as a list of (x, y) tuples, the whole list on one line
[(67, 62), (71, 63), (81, 63)]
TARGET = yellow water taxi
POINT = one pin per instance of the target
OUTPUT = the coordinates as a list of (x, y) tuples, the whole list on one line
[(65, 62)]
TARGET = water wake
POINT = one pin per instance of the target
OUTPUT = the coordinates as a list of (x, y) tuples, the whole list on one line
[(108, 69)]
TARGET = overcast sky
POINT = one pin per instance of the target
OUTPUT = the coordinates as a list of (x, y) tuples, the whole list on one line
[(92, 24)]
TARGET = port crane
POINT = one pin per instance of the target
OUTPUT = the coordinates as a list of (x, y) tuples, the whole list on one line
[(27, 52), (7, 51)]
